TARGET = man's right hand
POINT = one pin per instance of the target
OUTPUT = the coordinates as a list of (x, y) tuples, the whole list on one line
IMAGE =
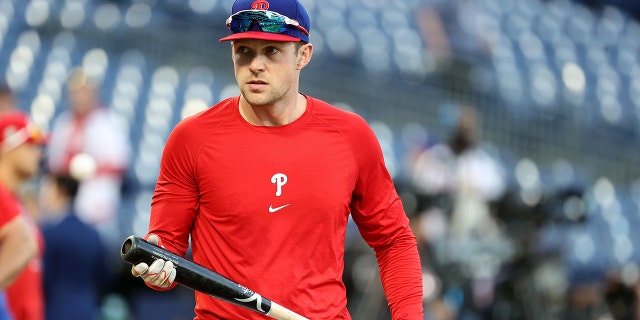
[(160, 274)]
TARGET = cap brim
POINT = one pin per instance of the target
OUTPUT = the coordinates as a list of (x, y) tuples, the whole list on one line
[(260, 35)]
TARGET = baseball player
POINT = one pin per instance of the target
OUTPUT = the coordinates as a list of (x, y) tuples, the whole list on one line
[(263, 184), (20, 156)]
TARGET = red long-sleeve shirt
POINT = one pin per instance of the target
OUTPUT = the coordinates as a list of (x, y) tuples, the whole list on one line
[(9, 209), (268, 208)]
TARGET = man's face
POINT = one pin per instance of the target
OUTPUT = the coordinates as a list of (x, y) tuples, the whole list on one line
[(82, 99), (266, 71)]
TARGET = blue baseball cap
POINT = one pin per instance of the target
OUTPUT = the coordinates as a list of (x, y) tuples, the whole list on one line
[(295, 23)]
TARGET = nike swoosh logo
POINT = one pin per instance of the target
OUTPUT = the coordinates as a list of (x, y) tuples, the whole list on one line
[(272, 209)]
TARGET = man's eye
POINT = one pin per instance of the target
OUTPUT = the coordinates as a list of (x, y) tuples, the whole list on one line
[(272, 50), (243, 50)]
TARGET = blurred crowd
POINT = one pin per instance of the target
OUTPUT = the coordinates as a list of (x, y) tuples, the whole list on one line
[(67, 184)]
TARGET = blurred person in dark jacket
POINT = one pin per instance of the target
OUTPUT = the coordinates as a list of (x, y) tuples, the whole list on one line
[(75, 272)]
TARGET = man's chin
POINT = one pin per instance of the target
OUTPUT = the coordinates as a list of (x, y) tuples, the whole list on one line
[(257, 99)]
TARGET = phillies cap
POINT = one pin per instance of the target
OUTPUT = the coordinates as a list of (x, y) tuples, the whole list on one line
[(292, 9), (16, 129)]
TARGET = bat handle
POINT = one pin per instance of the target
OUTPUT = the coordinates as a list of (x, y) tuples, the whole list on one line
[(281, 313)]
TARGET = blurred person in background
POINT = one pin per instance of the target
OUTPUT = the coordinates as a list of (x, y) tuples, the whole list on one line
[(20, 155), (28, 191), (89, 128), (17, 245), (75, 270), (464, 172), (458, 182), (309, 165), (622, 293)]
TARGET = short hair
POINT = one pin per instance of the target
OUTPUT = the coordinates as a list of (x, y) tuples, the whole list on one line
[(79, 79), (68, 185), (299, 45)]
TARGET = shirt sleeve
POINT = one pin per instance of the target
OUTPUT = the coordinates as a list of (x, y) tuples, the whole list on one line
[(378, 212), (175, 200)]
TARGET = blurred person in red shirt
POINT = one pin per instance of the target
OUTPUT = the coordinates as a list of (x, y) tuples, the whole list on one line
[(20, 155)]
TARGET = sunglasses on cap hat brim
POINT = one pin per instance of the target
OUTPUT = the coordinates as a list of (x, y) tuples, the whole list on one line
[(272, 24)]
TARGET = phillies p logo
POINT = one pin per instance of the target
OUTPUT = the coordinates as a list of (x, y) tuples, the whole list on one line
[(279, 179), (260, 5)]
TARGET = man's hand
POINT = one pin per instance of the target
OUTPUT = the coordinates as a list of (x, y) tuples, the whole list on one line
[(160, 274)]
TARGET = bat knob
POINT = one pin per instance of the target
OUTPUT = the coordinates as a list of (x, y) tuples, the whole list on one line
[(127, 246)]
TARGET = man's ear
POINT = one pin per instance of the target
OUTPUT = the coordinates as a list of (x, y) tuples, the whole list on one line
[(304, 55)]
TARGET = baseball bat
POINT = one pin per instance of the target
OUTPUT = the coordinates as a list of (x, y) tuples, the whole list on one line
[(192, 275)]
